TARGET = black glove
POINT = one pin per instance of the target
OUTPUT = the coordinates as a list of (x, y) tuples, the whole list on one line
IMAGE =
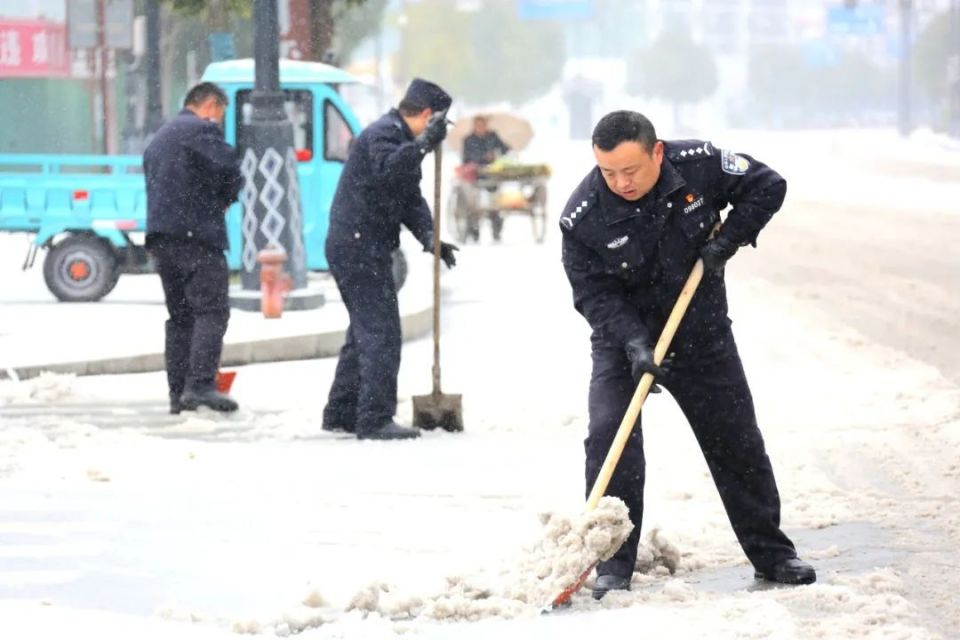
[(641, 361), (446, 251), (434, 133), (716, 253)]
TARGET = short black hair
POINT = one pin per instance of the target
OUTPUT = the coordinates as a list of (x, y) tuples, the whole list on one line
[(624, 126), (409, 108), (202, 92)]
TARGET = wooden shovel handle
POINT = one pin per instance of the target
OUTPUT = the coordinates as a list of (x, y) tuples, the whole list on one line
[(437, 168), (646, 381)]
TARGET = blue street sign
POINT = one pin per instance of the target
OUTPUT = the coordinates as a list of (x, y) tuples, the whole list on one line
[(554, 9), (861, 20)]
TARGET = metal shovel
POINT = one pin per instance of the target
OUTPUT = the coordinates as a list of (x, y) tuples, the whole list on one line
[(630, 418), (444, 410)]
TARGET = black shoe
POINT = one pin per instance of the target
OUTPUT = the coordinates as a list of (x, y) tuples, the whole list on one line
[(191, 399), (789, 571), (389, 431), (609, 582)]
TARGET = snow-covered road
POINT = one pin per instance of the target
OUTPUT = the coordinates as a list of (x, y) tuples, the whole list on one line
[(121, 521)]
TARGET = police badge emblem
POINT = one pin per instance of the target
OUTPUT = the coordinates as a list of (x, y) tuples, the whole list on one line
[(733, 164)]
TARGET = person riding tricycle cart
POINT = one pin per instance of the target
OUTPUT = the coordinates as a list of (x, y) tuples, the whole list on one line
[(489, 184)]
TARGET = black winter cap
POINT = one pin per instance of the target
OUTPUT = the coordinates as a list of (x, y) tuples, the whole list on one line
[(425, 94)]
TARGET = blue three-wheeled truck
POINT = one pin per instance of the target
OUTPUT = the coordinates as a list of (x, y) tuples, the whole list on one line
[(89, 211)]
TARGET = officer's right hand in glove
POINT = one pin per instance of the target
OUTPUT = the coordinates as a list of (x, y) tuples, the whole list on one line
[(435, 132), (641, 361), (716, 253)]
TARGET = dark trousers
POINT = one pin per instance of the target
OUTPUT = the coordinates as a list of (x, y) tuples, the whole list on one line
[(716, 401), (196, 286), (363, 396)]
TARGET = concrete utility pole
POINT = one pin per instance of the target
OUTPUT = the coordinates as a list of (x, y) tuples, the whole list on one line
[(109, 143), (154, 116), (904, 120), (953, 69), (271, 194)]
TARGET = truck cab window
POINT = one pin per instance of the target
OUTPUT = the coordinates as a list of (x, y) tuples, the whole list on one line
[(337, 133)]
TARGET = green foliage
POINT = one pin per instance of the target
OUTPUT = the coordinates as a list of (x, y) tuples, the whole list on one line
[(785, 87), (931, 52), (673, 68), (355, 20), (242, 8), (483, 56)]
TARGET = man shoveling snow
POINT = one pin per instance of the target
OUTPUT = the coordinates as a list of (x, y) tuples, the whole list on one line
[(631, 231)]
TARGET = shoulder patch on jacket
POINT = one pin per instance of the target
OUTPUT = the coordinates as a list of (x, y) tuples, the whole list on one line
[(577, 209), (686, 150), (733, 164)]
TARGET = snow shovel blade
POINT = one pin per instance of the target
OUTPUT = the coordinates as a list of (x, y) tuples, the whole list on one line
[(224, 380), (444, 410), (563, 600)]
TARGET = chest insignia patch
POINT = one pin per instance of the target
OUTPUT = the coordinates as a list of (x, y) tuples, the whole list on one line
[(695, 204), (619, 242)]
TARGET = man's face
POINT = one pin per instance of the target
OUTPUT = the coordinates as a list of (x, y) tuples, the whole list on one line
[(211, 109), (480, 126), (419, 122), (628, 169)]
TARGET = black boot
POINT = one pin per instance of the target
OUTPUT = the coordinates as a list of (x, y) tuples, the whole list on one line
[(193, 398), (789, 571), (175, 406), (389, 431), (610, 582)]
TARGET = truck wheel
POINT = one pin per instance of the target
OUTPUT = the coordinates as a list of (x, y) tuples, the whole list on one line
[(80, 269), (399, 268)]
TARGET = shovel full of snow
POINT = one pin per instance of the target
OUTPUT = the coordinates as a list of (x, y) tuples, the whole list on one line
[(437, 409), (630, 418)]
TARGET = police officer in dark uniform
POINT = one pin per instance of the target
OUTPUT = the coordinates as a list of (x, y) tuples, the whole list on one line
[(192, 176), (378, 191), (632, 231)]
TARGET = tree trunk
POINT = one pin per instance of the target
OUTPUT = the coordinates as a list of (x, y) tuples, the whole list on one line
[(217, 17), (219, 38), (322, 29)]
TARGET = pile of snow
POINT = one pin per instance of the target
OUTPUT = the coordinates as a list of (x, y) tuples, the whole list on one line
[(47, 387), (568, 546)]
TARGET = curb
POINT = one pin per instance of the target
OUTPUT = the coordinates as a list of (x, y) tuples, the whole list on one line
[(303, 347)]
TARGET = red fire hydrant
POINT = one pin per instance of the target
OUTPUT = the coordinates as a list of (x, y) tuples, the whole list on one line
[(274, 281)]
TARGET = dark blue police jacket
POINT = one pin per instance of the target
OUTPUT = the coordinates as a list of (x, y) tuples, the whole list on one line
[(192, 176), (378, 191), (627, 261)]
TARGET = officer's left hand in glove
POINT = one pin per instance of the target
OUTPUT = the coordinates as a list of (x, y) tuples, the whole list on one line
[(434, 133), (641, 361), (716, 253), (446, 252)]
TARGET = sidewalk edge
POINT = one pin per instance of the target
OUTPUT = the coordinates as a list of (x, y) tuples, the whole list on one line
[(303, 347)]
